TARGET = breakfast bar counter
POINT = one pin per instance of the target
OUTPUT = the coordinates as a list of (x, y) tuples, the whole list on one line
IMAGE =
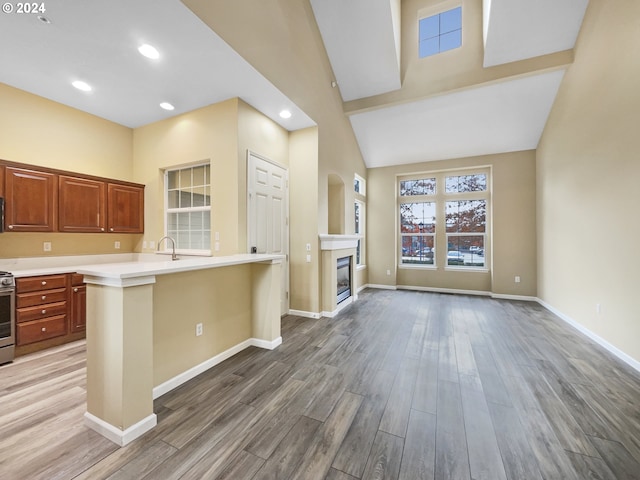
[(152, 326)]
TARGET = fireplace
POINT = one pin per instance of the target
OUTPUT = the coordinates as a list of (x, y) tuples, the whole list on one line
[(344, 279)]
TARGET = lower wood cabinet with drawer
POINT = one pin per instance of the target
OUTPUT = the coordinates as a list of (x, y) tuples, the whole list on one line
[(48, 312)]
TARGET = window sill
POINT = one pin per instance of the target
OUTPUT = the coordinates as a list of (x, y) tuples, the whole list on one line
[(418, 267), (361, 267), (452, 268)]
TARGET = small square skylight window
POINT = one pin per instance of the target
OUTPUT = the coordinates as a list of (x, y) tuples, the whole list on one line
[(440, 32)]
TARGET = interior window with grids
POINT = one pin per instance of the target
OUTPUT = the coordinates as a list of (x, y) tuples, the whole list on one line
[(466, 220), (417, 221), (188, 208)]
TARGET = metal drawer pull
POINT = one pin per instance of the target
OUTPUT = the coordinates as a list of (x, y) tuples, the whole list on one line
[(44, 329), (44, 311), (75, 289), (44, 297), (44, 282)]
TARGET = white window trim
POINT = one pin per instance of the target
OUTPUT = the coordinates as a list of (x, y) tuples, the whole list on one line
[(183, 251), (440, 198)]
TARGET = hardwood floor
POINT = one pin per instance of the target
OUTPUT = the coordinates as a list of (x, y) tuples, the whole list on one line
[(401, 385)]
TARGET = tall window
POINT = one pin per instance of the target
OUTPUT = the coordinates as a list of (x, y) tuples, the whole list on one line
[(443, 219), (440, 32), (359, 187), (188, 208)]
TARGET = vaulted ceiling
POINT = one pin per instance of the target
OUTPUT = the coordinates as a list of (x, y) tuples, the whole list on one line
[(97, 42)]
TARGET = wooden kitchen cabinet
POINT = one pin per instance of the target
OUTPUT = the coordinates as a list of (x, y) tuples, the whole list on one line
[(50, 311), (82, 205), (41, 310), (30, 200), (78, 309), (125, 211)]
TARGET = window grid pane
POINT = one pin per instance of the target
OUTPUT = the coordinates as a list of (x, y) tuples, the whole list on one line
[(424, 186), (440, 32), (188, 207), (418, 250)]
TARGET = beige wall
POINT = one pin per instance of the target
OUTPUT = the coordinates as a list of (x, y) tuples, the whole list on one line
[(37, 131), (286, 47), (264, 137), (206, 134), (588, 167), (303, 181), (513, 236), (453, 70)]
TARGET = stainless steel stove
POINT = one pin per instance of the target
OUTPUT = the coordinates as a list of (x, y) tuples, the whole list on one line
[(7, 317)]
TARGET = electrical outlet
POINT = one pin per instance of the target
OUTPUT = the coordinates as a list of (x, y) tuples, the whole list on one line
[(308, 247), (388, 272), (517, 279), (144, 244), (198, 329), (308, 258), (116, 244), (152, 245), (216, 246), (46, 246), (217, 236), (598, 308)]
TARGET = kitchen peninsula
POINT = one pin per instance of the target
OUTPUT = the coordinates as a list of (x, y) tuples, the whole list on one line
[(152, 326)]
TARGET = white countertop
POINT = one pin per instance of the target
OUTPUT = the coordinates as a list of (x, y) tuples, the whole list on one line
[(130, 267)]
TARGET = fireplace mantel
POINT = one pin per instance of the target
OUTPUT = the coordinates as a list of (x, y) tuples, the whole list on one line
[(338, 242)]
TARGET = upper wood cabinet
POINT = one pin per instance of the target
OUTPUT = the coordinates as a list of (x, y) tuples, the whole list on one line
[(81, 205), (125, 208), (40, 199), (30, 200)]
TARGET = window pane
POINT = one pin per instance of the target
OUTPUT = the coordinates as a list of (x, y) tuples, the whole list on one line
[(465, 250), (451, 20), (173, 200), (466, 215), (450, 40), (185, 178), (418, 249), (357, 212), (198, 176), (424, 186), (172, 180), (418, 217), (466, 183), (199, 197), (429, 47), (356, 185), (429, 27)]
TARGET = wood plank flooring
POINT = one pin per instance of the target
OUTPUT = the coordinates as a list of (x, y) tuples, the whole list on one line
[(401, 385)]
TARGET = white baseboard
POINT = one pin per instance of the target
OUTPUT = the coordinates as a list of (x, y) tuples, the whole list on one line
[(341, 306), (444, 290), (117, 436), (302, 313), (212, 362), (524, 298), (380, 286), (632, 362)]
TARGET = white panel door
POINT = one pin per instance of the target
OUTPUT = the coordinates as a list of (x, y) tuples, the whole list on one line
[(267, 215)]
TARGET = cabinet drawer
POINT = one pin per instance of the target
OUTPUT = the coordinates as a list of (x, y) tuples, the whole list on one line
[(39, 298), (32, 284), (41, 311), (39, 330)]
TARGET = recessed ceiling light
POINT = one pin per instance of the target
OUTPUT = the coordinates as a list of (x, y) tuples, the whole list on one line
[(285, 114), (167, 106), (149, 51), (80, 85)]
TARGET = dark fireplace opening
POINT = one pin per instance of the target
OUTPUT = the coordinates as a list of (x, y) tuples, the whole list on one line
[(344, 279)]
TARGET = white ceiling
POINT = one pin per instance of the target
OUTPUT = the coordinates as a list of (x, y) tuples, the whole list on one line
[(502, 117), (96, 41)]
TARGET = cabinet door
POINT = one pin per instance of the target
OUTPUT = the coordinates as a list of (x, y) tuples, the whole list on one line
[(30, 200), (126, 208), (78, 319), (81, 205)]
